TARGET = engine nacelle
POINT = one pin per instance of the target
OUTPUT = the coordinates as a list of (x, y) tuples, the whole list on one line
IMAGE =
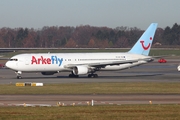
[(178, 68), (80, 70), (48, 73)]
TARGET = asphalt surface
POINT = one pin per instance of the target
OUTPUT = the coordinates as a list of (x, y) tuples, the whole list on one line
[(152, 72)]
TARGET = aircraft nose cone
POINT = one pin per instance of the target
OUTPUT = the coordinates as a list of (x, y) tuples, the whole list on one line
[(11, 65), (7, 64)]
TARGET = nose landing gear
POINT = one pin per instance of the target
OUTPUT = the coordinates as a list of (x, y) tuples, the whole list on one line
[(18, 73)]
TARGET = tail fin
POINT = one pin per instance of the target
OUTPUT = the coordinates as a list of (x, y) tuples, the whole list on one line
[(144, 43)]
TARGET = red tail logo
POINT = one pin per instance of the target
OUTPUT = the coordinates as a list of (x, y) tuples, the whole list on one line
[(145, 47)]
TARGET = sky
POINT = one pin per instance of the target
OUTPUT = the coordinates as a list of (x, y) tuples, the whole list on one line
[(100, 13)]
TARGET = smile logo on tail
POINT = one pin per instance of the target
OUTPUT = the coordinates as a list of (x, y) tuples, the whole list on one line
[(145, 47)]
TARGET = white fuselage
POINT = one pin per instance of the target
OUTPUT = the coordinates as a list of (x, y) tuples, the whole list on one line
[(58, 61)]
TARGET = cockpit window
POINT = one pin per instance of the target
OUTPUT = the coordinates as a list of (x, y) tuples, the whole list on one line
[(13, 59)]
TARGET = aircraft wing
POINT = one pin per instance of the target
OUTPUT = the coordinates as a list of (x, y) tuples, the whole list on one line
[(102, 64), (162, 56)]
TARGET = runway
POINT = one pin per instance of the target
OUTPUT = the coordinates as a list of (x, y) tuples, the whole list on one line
[(152, 72)]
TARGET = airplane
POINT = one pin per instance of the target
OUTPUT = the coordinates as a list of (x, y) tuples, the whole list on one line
[(85, 63)]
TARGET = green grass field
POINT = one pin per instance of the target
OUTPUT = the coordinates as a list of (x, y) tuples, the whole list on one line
[(113, 112), (99, 112), (95, 88)]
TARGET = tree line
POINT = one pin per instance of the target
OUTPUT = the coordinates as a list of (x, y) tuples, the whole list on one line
[(84, 36)]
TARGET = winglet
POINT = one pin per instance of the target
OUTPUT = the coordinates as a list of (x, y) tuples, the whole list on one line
[(144, 43)]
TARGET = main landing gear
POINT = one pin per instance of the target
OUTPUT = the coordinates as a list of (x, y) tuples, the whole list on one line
[(18, 73), (92, 75), (72, 75)]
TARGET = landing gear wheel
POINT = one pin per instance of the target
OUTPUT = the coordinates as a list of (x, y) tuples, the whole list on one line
[(18, 73), (19, 77), (96, 75), (92, 76), (76, 76), (70, 75)]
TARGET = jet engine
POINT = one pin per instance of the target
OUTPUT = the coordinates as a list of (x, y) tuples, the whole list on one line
[(80, 70), (178, 68), (48, 73)]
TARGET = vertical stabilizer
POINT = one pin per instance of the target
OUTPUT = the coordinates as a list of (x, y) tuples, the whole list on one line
[(144, 43)]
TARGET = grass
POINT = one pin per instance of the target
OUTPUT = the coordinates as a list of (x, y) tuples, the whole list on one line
[(114, 112), (95, 88), (99, 112)]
